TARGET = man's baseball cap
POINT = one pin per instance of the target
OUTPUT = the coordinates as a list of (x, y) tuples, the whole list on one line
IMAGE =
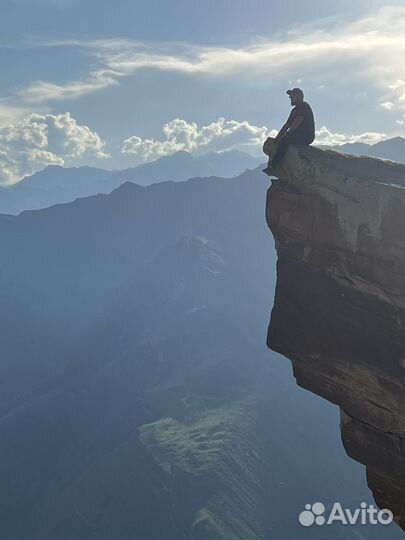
[(295, 91)]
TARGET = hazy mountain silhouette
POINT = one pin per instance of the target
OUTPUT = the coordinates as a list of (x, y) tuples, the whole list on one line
[(184, 165), (56, 184), (10, 201), (392, 149), (138, 397)]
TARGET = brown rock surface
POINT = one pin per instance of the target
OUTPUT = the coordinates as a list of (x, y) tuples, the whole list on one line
[(339, 310)]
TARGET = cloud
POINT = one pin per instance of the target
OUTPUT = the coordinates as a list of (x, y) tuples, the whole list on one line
[(325, 136), (396, 94), (41, 91), (387, 105), (217, 136), (225, 135), (46, 139), (39, 140), (367, 50)]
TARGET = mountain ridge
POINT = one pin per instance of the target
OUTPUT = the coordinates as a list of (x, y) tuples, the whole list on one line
[(144, 311), (56, 184)]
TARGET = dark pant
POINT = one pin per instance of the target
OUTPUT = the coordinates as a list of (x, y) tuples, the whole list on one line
[(283, 144)]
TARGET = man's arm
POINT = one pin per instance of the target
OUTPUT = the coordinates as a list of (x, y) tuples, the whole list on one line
[(296, 123), (283, 130)]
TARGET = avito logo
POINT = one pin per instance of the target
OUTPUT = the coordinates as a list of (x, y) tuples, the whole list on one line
[(314, 514)]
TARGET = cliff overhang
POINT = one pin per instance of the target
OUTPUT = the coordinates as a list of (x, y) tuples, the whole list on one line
[(339, 312)]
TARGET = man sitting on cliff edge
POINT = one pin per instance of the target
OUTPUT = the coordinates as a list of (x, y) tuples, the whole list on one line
[(299, 129)]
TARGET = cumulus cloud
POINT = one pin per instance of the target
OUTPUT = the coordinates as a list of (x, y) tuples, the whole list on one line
[(223, 135), (367, 49), (39, 140), (217, 136), (325, 136)]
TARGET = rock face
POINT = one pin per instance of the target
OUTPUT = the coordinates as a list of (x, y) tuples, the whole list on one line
[(339, 310)]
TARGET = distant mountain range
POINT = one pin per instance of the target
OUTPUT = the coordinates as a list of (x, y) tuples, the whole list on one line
[(137, 397), (54, 184), (392, 149)]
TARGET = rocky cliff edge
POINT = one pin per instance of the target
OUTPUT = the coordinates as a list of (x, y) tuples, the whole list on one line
[(339, 312)]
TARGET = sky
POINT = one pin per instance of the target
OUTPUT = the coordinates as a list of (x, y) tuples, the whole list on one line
[(115, 84)]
